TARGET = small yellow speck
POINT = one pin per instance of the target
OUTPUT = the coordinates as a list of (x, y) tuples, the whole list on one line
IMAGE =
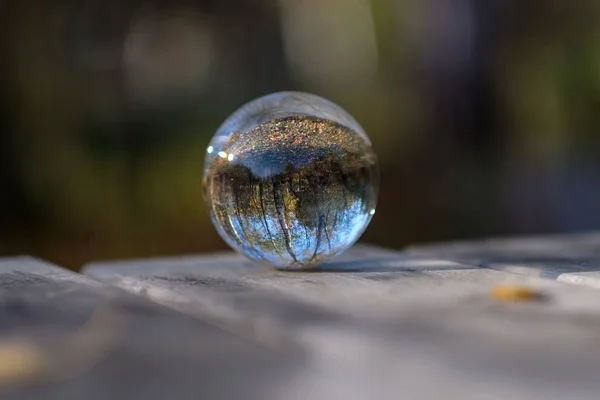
[(514, 293), (20, 362)]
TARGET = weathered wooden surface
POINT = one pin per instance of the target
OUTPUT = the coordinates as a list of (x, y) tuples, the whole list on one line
[(65, 336), (569, 258), (393, 325)]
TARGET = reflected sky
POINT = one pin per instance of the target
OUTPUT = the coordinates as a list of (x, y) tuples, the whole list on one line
[(262, 236)]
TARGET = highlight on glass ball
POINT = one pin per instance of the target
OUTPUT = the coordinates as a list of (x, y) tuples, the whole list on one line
[(290, 180)]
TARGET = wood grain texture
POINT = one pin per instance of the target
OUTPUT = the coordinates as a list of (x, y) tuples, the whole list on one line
[(65, 336), (571, 258), (391, 322)]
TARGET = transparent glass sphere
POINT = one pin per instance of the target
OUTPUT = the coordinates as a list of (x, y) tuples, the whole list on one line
[(290, 180)]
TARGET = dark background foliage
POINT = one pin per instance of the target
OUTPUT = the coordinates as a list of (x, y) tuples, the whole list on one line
[(484, 114)]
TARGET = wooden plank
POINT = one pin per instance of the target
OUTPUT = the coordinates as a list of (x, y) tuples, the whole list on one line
[(397, 324), (65, 336), (573, 258)]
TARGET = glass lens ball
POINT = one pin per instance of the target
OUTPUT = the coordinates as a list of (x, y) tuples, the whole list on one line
[(290, 180)]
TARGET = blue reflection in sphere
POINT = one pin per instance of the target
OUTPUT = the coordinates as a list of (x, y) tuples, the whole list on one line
[(290, 180)]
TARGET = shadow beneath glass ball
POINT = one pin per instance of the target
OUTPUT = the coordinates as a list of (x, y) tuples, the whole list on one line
[(390, 264)]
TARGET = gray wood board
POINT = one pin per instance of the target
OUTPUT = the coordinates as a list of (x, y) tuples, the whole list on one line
[(65, 336), (392, 323), (573, 258)]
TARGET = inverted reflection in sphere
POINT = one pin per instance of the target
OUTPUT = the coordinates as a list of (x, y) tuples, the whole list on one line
[(290, 180)]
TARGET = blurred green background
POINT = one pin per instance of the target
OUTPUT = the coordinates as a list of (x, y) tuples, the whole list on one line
[(484, 114)]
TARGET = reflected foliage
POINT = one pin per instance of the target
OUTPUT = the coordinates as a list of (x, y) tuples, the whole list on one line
[(316, 203)]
